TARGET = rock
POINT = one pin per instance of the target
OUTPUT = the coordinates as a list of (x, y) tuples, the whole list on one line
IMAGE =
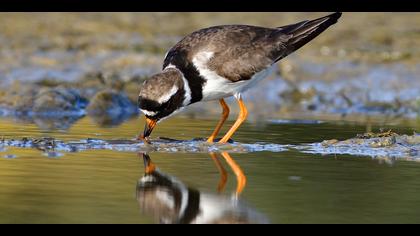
[(18, 98), (413, 140), (383, 142), (329, 142), (10, 156), (382, 134), (383, 145), (54, 122), (58, 102), (32, 100), (52, 154), (413, 152), (110, 107)]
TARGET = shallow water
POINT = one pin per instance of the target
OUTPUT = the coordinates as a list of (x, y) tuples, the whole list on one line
[(105, 186)]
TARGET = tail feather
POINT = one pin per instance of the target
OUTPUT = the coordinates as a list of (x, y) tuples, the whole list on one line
[(303, 32)]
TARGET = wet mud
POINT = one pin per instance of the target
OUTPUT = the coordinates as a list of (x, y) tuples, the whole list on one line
[(377, 145)]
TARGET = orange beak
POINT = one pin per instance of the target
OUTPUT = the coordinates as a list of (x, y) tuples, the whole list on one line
[(148, 128)]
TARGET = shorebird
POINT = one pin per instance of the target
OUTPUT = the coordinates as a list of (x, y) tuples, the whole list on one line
[(219, 62)]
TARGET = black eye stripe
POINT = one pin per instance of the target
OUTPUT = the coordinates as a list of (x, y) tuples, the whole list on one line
[(149, 105), (164, 109)]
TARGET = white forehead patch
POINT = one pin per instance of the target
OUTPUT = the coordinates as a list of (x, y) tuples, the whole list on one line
[(166, 96), (148, 113)]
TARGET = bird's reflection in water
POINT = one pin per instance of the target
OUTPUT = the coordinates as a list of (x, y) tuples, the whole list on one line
[(169, 200)]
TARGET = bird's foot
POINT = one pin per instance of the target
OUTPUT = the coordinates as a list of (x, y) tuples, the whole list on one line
[(212, 140), (221, 141), (146, 140)]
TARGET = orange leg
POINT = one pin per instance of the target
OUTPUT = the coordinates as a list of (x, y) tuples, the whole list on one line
[(240, 176), (225, 115), (243, 113), (223, 173)]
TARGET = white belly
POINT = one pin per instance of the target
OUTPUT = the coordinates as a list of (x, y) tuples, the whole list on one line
[(217, 87)]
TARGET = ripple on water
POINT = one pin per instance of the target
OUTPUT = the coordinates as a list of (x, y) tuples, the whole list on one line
[(53, 154), (294, 122), (54, 147), (403, 147)]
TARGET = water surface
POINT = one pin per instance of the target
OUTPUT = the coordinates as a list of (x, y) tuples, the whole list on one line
[(102, 186)]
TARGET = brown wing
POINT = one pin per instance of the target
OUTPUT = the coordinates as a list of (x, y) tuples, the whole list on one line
[(250, 49), (240, 51), (247, 51)]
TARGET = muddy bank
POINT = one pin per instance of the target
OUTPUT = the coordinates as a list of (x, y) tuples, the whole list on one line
[(301, 88), (105, 101), (295, 87), (346, 88), (358, 36), (387, 145), (74, 64)]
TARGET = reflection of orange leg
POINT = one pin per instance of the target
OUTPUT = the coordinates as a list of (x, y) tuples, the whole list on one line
[(241, 118), (240, 176), (225, 115), (223, 173), (149, 167)]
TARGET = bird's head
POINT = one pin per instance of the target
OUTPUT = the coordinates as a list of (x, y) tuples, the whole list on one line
[(161, 96)]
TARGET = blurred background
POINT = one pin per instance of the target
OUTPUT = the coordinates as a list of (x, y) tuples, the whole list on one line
[(77, 64)]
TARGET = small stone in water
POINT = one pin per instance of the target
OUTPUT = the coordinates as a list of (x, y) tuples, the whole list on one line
[(383, 142), (413, 140), (413, 152), (295, 178), (9, 156), (329, 142), (53, 154)]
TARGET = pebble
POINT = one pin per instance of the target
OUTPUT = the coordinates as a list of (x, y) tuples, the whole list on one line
[(295, 178), (9, 156), (53, 154), (329, 142)]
